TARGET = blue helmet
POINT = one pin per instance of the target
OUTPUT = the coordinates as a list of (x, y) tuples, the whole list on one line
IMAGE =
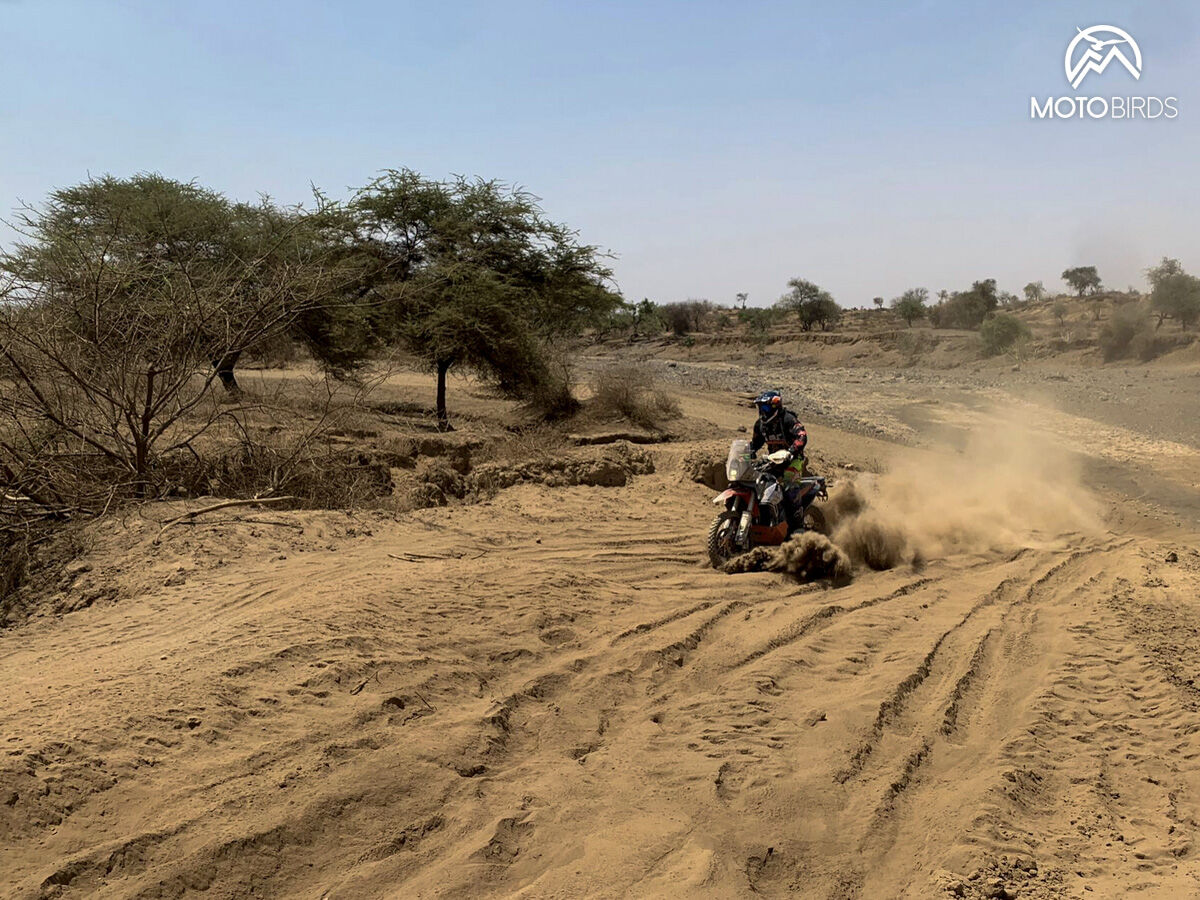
[(768, 403)]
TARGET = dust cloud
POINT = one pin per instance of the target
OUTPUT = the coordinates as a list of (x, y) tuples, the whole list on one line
[(1008, 487)]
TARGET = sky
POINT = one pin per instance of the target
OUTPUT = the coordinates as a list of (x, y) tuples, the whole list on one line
[(713, 148)]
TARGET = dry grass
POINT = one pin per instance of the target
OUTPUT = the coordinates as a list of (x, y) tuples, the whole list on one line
[(631, 392)]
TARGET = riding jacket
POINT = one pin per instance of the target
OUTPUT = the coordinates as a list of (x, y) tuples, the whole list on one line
[(782, 431)]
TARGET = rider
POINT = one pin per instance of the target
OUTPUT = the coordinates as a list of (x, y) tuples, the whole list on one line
[(779, 429)]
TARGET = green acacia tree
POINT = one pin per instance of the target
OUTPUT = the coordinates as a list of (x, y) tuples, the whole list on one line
[(966, 309), (147, 247), (812, 305), (1177, 296), (1166, 267), (1082, 279), (910, 305), (473, 275), (1059, 310), (121, 304), (1174, 294)]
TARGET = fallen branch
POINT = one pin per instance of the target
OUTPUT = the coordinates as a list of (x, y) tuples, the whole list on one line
[(413, 557), (417, 557), (213, 523), (225, 504)]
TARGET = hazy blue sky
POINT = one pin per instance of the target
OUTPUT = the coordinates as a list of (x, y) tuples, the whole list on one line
[(713, 147)]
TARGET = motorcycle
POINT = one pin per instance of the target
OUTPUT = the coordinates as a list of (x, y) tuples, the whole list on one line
[(755, 503)]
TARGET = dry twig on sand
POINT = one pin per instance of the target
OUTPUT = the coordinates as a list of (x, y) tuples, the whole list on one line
[(225, 504), (417, 557)]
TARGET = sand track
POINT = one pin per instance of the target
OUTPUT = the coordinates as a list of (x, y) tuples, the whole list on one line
[(571, 703)]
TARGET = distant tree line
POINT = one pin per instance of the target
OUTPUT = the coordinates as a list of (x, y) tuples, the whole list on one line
[(804, 303), (1174, 295), (983, 307)]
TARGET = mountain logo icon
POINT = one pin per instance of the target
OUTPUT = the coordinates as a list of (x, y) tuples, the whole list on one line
[(1092, 49)]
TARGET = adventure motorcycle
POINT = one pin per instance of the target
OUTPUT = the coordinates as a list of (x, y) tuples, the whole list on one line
[(756, 506)]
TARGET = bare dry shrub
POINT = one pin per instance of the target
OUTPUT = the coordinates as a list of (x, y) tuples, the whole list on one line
[(301, 437), (549, 397), (318, 477), (287, 435), (632, 392)]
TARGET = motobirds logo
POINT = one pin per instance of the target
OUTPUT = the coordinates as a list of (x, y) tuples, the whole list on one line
[(1090, 53)]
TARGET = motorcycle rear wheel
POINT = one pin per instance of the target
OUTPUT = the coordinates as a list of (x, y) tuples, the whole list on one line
[(814, 520), (720, 538)]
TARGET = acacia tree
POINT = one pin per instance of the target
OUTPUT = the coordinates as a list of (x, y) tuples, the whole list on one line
[(811, 304), (910, 305), (646, 318), (1165, 269), (95, 233), (473, 275), (1059, 311), (1177, 296), (1174, 294), (1082, 279), (1035, 292), (120, 306), (966, 309)]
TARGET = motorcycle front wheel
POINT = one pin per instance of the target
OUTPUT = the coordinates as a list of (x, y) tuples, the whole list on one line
[(721, 536)]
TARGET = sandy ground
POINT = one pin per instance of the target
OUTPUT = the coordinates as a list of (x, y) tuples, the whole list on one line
[(552, 695)]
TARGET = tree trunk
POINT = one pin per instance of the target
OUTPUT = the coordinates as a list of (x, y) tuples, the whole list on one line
[(141, 459), (443, 419), (224, 366), (141, 437)]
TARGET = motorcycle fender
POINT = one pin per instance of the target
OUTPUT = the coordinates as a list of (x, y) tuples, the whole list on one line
[(727, 495)]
